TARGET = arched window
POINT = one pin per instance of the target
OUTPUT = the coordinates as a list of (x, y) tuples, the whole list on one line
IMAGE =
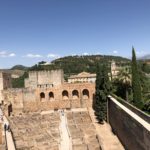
[(85, 94), (42, 95), (65, 95), (75, 94), (51, 96)]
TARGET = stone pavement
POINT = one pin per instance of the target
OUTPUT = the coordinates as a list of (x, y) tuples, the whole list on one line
[(36, 131), (70, 130)]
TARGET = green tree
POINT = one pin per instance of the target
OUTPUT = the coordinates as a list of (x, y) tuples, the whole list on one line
[(102, 91), (124, 77), (136, 85)]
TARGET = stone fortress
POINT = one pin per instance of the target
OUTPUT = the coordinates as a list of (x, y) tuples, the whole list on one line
[(45, 90), (52, 114)]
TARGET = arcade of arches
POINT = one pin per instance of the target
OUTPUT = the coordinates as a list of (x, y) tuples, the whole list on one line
[(65, 95)]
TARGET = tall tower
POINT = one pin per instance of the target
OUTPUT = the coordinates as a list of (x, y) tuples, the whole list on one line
[(5, 83), (114, 70)]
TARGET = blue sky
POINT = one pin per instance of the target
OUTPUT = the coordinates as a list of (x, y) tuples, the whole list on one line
[(35, 30)]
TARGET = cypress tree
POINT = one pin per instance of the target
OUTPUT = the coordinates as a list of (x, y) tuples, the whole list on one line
[(136, 86), (102, 91)]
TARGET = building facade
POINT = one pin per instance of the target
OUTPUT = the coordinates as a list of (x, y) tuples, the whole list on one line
[(46, 90), (82, 77)]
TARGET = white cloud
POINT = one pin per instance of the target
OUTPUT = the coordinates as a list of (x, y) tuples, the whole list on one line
[(53, 56), (12, 54), (115, 52), (6, 54), (85, 53), (140, 53), (33, 56)]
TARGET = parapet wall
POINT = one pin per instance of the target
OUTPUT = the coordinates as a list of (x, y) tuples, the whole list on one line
[(137, 111), (1, 133), (131, 129)]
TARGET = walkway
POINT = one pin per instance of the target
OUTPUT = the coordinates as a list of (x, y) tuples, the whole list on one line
[(9, 138), (107, 139), (65, 140)]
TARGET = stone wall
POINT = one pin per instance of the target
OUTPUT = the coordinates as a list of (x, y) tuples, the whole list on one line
[(67, 95), (137, 111), (37, 78), (0, 133), (133, 131), (5, 83)]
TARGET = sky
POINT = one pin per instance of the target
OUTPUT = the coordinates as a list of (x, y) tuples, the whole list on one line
[(36, 30)]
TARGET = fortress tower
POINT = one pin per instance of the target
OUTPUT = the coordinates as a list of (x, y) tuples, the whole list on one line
[(44, 79), (5, 83)]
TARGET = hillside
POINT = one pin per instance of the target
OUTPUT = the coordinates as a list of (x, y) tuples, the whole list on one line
[(146, 57), (77, 64), (19, 67)]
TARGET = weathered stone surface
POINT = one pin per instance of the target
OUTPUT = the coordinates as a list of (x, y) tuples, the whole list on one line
[(131, 133), (82, 131), (30, 100), (35, 131)]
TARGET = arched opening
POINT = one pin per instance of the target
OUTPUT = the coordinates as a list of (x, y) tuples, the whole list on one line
[(51, 96), (65, 95), (9, 109), (85, 94), (42, 95), (75, 94)]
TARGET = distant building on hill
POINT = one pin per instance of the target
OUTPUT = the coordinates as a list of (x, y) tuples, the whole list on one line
[(82, 77), (115, 69)]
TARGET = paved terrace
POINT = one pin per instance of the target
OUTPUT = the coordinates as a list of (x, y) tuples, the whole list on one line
[(69, 130), (82, 131), (36, 131)]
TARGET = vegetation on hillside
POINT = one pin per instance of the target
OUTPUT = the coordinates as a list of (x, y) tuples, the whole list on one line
[(19, 82), (19, 67), (137, 93), (77, 64)]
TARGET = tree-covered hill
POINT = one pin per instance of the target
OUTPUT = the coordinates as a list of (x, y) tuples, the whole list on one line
[(19, 67), (77, 64)]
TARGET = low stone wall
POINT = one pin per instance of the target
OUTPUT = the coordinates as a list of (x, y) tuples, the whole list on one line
[(140, 113), (0, 133), (132, 130)]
